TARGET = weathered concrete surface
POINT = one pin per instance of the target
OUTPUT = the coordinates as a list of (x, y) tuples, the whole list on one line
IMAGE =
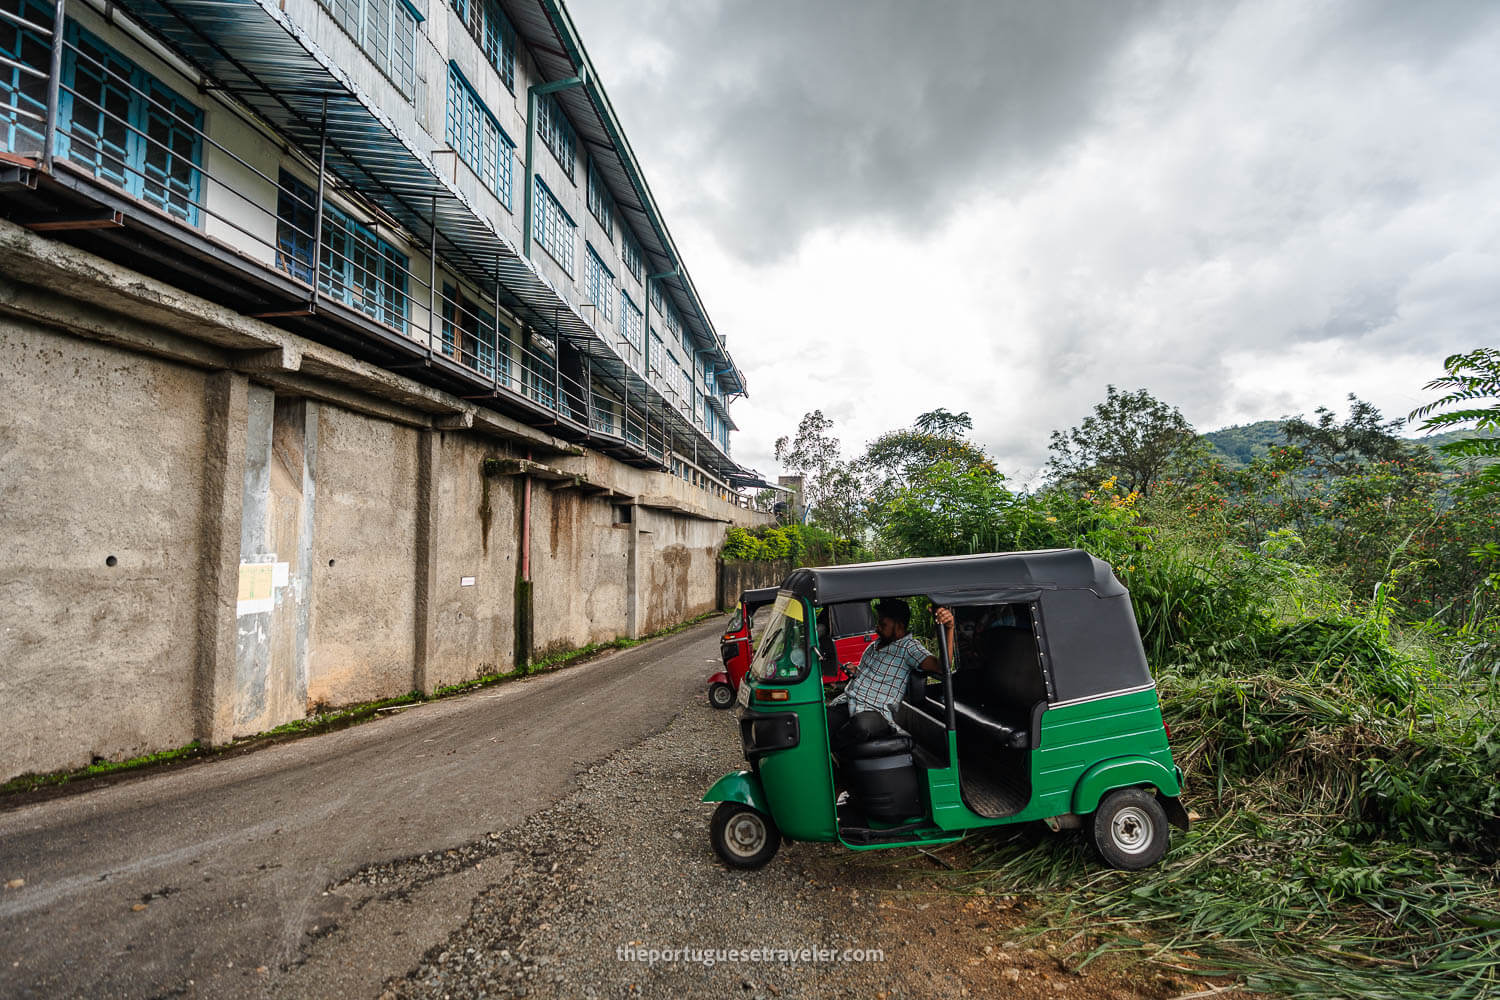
[(364, 560), (476, 557), (226, 428), (579, 566), (101, 493), (190, 442), (682, 567), (232, 857)]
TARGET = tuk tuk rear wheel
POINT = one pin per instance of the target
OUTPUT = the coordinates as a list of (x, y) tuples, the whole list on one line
[(720, 695), (1130, 829), (743, 837)]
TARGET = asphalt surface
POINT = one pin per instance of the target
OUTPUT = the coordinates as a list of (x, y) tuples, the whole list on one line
[(215, 880)]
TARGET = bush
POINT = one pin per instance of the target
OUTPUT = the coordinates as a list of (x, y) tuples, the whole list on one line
[(770, 544)]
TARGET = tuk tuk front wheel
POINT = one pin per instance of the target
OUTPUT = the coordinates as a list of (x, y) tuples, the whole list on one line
[(720, 695), (743, 837), (1130, 829)]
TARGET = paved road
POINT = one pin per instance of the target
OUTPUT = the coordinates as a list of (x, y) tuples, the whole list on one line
[(232, 858)]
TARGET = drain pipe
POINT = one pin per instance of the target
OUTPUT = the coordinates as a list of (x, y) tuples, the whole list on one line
[(526, 527), (523, 606)]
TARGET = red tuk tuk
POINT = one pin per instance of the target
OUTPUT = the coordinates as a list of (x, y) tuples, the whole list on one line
[(844, 630)]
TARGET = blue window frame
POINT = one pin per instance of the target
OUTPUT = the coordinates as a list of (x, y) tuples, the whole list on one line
[(499, 44), (128, 127), (556, 133), (630, 254), (362, 270), (356, 267), (477, 137), (23, 97), (601, 205), (387, 31), (489, 26), (659, 359), (630, 320), (551, 226), (296, 217), (473, 330), (537, 376), (601, 287)]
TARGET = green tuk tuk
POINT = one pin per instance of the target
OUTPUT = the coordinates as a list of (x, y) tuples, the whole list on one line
[(1046, 711)]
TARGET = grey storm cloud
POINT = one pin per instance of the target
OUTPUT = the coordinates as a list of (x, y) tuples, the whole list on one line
[(807, 113), (1249, 208), (797, 114)]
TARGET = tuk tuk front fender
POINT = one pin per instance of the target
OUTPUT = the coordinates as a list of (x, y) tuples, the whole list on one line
[(1122, 772), (741, 786), (719, 678)]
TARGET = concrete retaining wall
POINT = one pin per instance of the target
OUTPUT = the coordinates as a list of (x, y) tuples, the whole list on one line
[(101, 454), (212, 527)]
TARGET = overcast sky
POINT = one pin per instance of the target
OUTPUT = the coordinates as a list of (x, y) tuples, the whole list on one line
[(1250, 209)]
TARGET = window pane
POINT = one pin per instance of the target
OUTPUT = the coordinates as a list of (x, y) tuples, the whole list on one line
[(170, 148), (23, 98), (295, 214), (97, 110)]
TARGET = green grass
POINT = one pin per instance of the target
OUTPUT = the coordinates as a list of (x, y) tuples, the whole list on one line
[(339, 718), (1350, 845), (30, 782), (1270, 898)]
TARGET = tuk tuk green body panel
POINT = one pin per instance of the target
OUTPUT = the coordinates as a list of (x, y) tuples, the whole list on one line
[(1082, 746), (1122, 772), (799, 781), (1085, 750), (738, 786)]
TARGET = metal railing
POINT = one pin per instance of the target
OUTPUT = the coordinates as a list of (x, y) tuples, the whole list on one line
[(68, 100)]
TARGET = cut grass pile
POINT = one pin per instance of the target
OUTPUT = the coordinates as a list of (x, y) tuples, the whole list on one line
[(1351, 839)]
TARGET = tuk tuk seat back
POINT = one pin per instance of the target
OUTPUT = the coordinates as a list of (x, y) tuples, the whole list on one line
[(1002, 691), (1002, 736), (896, 743), (928, 732)]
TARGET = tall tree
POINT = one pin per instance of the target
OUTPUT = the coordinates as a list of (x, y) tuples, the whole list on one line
[(831, 488), (896, 458), (941, 423), (1132, 436), (1342, 449), (1471, 380), (812, 453)]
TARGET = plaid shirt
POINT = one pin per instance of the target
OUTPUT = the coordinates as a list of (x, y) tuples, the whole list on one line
[(881, 681)]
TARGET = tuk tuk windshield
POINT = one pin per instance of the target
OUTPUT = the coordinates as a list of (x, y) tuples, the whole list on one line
[(782, 652)]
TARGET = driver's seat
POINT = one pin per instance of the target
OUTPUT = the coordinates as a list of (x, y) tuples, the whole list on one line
[(882, 777), (897, 742)]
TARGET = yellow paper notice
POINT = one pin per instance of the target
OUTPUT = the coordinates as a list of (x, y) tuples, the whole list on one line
[(255, 594)]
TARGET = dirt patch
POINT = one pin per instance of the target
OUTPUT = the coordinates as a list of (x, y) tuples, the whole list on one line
[(623, 868)]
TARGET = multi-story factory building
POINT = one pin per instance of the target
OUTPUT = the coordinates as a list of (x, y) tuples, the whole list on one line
[(344, 351)]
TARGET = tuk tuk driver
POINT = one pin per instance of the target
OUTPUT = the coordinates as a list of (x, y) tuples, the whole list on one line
[(864, 711)]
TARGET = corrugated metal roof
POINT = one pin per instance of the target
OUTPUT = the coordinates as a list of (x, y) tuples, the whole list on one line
[(252, 50), (548, 30)]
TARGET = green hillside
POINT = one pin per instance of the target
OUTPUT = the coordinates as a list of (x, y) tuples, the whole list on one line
[(1241, 444)]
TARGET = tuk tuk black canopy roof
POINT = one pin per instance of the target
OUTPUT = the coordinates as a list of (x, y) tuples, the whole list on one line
[(987, 578), (1089, 646), (754, 600)]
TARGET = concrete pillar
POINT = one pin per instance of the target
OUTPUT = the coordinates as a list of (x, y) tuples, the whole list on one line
[(633, 568), (218, 582), (425, 621), (303, 581), (252, 654)]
